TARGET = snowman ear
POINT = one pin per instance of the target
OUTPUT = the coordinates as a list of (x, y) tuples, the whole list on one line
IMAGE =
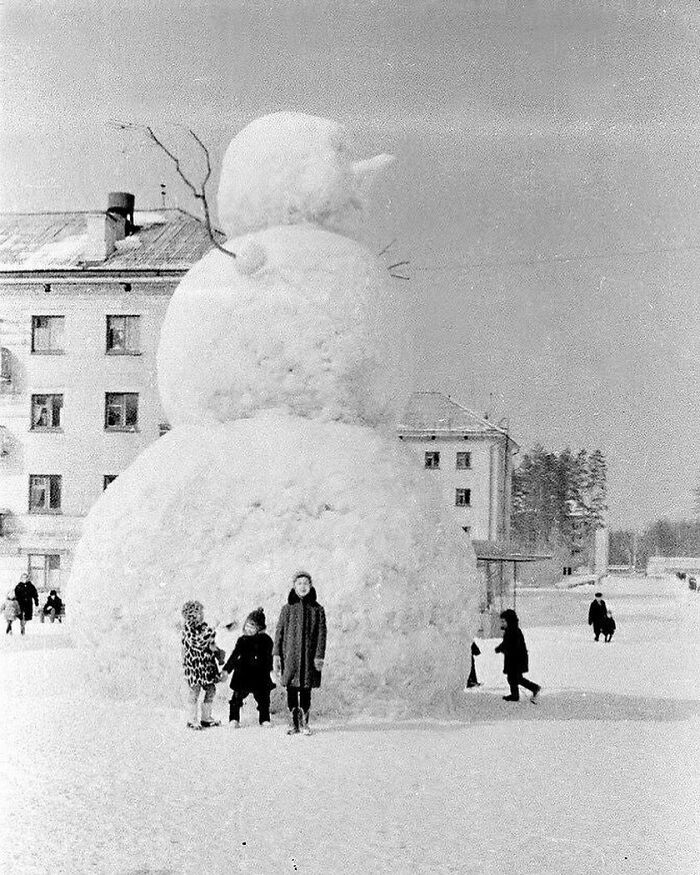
[(250, 256), (366, 170)]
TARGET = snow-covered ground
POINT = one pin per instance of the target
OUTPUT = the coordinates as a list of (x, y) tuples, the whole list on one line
[(600, 776)]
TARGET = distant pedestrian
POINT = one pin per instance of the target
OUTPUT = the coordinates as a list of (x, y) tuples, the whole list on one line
[(28, 598), (300, 648), (250, 665), (11, 611), (199, 659), (596, 614), (53, 609), (515, 657), (471, 680), (608, 627)]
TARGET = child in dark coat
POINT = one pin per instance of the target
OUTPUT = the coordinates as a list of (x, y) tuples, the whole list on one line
[(250, 665), (300, 647), (608, 627), (515, 657)]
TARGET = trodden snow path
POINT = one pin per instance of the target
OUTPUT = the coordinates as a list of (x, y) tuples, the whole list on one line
[(601, 775)]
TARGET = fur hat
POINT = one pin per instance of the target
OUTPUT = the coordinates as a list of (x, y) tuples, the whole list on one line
[(257, 617), (302, 574), (192, 611)]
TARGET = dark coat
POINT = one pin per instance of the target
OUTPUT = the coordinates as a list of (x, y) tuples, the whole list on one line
[(608, 624), (597, 613), (250, 663), (55, 602), (300, 638), (515, 659), (25, 593)]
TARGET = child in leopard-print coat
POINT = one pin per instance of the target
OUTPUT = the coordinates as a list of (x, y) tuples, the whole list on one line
[(199, 660)]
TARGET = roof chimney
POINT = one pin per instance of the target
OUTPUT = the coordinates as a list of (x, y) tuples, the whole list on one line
[(119, 221)]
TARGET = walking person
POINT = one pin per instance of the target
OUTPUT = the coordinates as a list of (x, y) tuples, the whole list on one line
[(608, 627), (199, 660), (11, 611), (250, 664), (515, 657), (596, 614), (28, 599), (299, 649)]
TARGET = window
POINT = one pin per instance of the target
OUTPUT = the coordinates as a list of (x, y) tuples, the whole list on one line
[(464, 460), (107, 479), (163, 428), (46, 411), (121, 411), (123, 335), (463, 497), (44, 493), (45, 571), (432, 460), (47, 334)]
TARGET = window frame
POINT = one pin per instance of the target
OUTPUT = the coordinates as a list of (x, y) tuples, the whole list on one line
[(434, 457), (53, 485), (33, 569), (465, 455), (461, 492), (132, 335), (51, 349), (51, 406), (124, 425)]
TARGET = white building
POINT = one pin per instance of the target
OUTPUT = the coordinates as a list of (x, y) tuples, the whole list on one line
[(82, 300), (470, 457)]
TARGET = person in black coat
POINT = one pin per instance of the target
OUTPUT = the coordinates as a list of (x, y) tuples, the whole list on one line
[(597, 613), (249, 665), (300, 648), (27, 596), (53, 607), (515, 657)]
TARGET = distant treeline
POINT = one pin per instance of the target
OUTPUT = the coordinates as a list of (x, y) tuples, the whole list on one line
[(662, 538), (558, 498)]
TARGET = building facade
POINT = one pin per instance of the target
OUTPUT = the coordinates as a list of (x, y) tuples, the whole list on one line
[(470, 458), (82, 300)]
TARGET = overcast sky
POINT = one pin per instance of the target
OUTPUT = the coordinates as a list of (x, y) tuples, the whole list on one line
[(546, 188)]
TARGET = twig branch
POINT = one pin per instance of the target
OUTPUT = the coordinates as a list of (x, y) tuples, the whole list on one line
[(199, 194)]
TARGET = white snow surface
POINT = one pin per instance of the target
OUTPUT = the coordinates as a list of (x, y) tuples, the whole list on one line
[(228, 513), (315, 330), (601, 776), (286, 168)]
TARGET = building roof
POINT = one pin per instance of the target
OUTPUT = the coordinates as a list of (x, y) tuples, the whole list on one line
[(162, 239), (437, 413)]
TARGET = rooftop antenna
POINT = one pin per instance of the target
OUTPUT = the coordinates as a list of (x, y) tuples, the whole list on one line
[(162, 194)]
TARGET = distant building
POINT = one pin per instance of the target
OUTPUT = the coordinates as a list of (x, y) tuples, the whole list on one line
[(82, 299), (470, 457)]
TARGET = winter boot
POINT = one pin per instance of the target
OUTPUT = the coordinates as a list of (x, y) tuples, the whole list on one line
[(305, 723), (295, 716)]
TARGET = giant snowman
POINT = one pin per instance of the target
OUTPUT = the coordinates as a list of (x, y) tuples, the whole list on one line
[(280, 370)]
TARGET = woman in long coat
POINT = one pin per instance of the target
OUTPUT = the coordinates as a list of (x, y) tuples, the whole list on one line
[(300, 648)]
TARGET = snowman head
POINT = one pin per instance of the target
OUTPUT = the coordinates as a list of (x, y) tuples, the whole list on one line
[(289, 168)]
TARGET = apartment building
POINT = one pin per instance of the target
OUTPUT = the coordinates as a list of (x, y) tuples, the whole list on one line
[(82, 299), (470, 457)]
